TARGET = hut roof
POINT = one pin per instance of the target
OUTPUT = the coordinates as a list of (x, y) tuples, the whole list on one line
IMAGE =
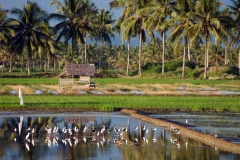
[(81, 69)]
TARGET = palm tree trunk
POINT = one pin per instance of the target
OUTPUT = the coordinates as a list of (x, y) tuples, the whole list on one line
[(48, 63), (45, 65), (206, 54), (29, 59), (3, 66), (225, 56), (207, 57), (163, 51), (100, 58), (85, 50), (189, 54), (54, 63), (128, 57), (22, 64), (40, 63), (184, 55), (33, 64), (230, 51), (10, 63), (140, 52), (73, 45)]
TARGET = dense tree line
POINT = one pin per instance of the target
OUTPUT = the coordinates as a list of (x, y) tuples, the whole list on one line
[(203, 32)]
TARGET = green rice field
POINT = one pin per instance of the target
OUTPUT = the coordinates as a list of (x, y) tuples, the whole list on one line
[(112, 102)]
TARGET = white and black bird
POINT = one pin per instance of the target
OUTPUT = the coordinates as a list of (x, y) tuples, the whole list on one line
[(84, 129), (93, 129), (103, 129)]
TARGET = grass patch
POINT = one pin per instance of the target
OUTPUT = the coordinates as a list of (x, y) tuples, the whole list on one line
[(109, 103)]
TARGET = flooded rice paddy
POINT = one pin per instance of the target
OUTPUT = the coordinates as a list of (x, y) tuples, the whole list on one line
[(225, 126), (179, 90), (107, 136)]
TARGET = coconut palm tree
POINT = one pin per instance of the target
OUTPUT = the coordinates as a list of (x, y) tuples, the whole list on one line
[(126, 32), (208, 22), (236, 11), (182, 20), (6, 31), (88, 13), (31, 29), (134, 24), (159, 11), (70, 25), (216, 53), (103, 30), (7, 34)]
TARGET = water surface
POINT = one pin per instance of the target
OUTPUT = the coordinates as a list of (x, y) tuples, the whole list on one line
[(93, 136)]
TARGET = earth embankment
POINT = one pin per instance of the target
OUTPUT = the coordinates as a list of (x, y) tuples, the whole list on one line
[(207, 139)]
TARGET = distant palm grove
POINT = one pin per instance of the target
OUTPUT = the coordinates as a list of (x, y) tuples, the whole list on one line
[(185, 37)]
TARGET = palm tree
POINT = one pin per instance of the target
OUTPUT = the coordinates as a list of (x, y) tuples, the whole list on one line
[(159, 11), (31, 29), (134, 25), (6, 34), (208, 22), (71, 24), (236, 11), (126, 32), (103, 30), (6, 31), (87, 15), (182, 20), (216, 53)]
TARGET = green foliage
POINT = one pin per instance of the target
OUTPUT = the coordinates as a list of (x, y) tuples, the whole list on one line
[(195, 73), (173, 65), (35, 73), (233, 70), (152, 68), (110, 103), (28, 81), (107, 108), (107, 74)]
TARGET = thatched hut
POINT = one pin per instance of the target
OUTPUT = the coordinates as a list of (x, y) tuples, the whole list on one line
[(80, 70), (84, 71)]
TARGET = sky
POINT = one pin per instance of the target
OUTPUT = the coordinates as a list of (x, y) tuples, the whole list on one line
[(101, 4)]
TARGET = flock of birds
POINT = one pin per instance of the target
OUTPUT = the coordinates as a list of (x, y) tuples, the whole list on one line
[(177, 132), (72, 136)]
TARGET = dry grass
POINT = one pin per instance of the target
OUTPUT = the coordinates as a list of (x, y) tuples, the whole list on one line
[(151, 89)]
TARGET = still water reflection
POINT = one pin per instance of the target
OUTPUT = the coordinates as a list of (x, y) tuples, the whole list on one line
[(96, 136)]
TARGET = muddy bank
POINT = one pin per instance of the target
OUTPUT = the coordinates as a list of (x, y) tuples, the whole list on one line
[(198, 136), (46, 110)]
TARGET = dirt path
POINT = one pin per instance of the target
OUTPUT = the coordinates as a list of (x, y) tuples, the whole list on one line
[(198, 136)]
